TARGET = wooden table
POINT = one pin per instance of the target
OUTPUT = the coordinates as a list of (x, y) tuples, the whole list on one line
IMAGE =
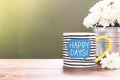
[(50, 69)]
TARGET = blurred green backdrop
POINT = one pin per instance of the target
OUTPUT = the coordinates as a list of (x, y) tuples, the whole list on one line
[(33, 28)]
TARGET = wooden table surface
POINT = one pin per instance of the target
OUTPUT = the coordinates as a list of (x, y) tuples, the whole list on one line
[(50, 69)]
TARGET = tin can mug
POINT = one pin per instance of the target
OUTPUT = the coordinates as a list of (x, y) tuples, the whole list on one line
[(79, 49)]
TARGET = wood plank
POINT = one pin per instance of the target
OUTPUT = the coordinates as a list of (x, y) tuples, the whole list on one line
[(31, 63), (51, 69)]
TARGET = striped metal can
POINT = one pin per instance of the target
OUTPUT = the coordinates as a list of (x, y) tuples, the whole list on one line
[(79, 49)]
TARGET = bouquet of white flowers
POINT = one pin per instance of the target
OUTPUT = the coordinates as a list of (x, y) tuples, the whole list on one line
[(105, 13)]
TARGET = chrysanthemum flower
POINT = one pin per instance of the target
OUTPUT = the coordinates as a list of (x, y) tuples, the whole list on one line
[(111, 61)]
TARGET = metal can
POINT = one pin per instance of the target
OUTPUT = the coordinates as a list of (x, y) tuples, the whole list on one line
[(113, 33)]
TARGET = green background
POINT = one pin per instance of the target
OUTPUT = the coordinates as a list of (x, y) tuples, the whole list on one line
[(33, 28)]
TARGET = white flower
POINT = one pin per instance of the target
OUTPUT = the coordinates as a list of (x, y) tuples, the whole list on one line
[(104, 22), (111, 61), (91, 19), (104, 13)]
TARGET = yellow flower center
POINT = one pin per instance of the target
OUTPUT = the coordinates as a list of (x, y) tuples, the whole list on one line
[(118, 13), (111, 61)]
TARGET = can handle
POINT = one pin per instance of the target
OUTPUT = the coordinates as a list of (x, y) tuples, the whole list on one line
[(107, 49)]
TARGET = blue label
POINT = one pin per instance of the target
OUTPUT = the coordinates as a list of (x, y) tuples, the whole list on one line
[(79, 48)]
